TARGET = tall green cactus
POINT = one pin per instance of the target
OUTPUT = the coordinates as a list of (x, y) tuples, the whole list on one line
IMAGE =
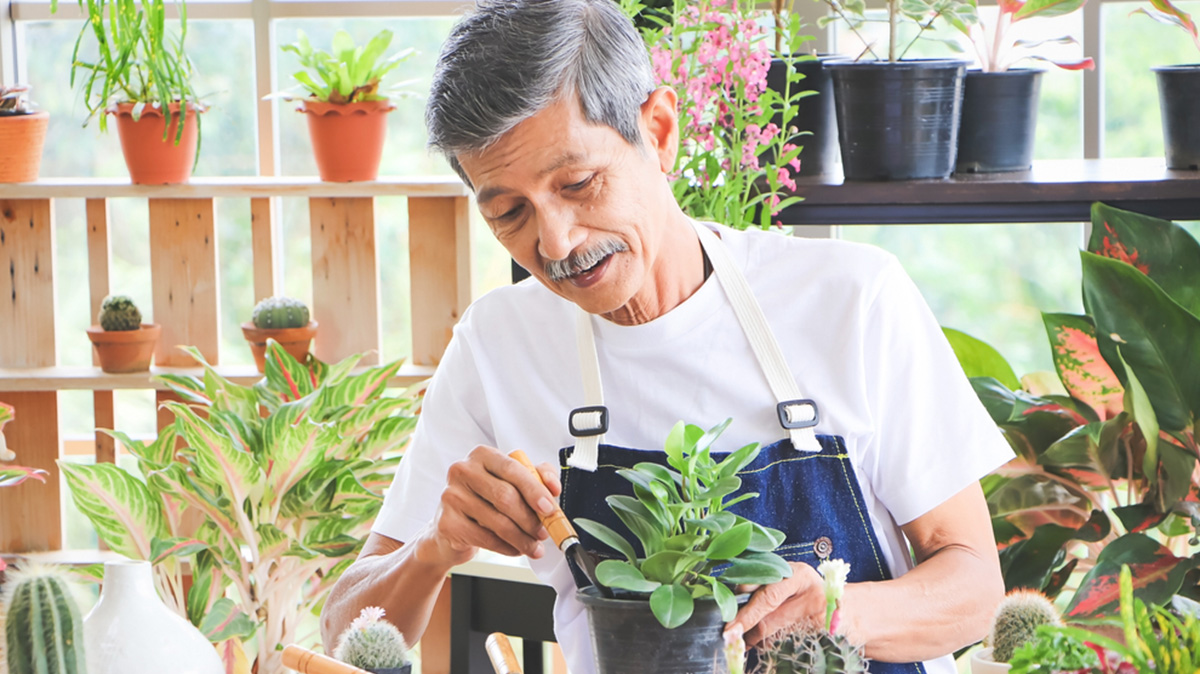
[(275, 313), (1016, 620), (43, 630)]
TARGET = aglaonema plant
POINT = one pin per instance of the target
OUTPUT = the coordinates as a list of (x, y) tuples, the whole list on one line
[(12, 475), (285, 477), (680, 515), (997, 48)]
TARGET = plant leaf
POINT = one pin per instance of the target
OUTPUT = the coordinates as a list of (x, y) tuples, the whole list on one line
[(225, 621), (1080, 365), (607, 536), (623, 575), (672, 605), (731, 543), (1157, 574), (126, 514)]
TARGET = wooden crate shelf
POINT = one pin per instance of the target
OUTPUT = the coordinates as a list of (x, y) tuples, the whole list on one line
[(248, 187), (92, 379)]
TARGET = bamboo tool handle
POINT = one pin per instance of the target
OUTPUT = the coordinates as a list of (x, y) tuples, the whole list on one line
[(307, 662), (556, 523), (500, 652)]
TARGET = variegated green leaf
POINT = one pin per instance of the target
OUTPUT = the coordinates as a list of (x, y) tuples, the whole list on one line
[(225, 621), (290, 444), (125, 513), (218, 460), (285, 375), (11, 476), (162, 548)]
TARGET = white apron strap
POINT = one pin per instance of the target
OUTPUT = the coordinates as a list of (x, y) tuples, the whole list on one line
[(589, 423)]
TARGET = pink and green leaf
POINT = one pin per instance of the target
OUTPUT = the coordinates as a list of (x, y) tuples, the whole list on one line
[(1167, 13), (11, 476), (1081, 367), (1157, 576), (1047, 8), (162, 549), (1069, 64), (226, 621), (1158, 248), (218, 459), (126, 514)]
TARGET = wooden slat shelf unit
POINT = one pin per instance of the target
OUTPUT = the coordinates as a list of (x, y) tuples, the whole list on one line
[(185, 286)]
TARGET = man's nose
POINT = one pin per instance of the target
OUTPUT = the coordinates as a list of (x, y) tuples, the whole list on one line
[(559, 233)]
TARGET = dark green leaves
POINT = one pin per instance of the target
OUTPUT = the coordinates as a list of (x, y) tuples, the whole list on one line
[(1157, 575), (623, 575)]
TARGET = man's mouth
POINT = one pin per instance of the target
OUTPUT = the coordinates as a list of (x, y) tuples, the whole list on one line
[(588, 277)]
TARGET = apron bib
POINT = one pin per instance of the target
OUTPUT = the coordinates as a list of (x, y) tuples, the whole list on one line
[(806, 483)]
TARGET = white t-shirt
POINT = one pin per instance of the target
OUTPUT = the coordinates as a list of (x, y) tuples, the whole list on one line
[(854, 330)]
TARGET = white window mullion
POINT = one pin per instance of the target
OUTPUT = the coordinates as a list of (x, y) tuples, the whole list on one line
[(264, 83), (8, 45), (1093, 81)]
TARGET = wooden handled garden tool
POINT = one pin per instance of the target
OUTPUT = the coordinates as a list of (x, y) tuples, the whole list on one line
[(563, 534), (305, 661), (500, 652)]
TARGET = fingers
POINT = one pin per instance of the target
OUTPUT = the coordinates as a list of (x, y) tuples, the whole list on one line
[(800, 598), (549, 475)]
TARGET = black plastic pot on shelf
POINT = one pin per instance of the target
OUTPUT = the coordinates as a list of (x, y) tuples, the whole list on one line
[(1179, 101), (814, 114), (999, 116), (898, 121)]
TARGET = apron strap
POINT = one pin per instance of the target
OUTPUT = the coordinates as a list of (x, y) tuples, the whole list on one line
[(589, 423)]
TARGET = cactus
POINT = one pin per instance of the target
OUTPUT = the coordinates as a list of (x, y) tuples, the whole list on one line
[(277, 313), (43, 630), (372, 643), (118, 312), (809, 650), (1016, 620)]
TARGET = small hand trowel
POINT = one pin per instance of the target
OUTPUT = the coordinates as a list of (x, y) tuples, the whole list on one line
[(563, 534)]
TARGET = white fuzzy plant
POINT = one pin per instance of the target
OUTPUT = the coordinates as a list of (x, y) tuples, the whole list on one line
[(372, 643)]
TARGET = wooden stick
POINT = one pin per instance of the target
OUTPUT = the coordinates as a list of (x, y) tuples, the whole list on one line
[(305, 661), (500, 652)]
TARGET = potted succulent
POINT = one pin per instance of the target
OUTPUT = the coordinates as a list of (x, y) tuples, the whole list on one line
[(22, 135), (374, 644), (142, 77), (283, 319), (42, 628), (672, 596), (999, 111), (1014, 624), (123, 343), (898, 118), (808, 648), (1179, 93), (344, 103)]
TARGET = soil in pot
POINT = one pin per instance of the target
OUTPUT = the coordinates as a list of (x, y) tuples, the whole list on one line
[(347, 138), (295, 341), (999, 116), (814, 114), (898, 121), (151, 159), (1179, 102), (22, 137), (122, 351)]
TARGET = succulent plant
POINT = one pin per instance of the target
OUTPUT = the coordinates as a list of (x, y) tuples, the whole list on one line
[(1016, 620), (118, 312), (372, 643), (42, 627), (277, 313), (809, 650), (14, 101)]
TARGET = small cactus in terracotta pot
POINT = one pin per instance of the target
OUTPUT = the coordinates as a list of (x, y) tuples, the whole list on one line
[(22, 135), (374, 644), (123, 343), (283, 319)]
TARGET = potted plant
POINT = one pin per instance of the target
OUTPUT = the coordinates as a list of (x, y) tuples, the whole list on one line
[(898, 118), (11, 475), (374, 644), (345, 105), (287, 475), (123, 343), (1014, 624), (672, 596), (1179, 94), (283, 319), (22, 135), (42, 629), (999, 111), (807, 648)]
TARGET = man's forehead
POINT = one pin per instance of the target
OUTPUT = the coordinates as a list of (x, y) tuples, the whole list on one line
[(563, 159)]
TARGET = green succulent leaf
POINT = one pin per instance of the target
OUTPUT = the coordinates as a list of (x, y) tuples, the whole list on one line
[(623, 575), (608, 537), (672, 605), (725, 600), (731, 543)]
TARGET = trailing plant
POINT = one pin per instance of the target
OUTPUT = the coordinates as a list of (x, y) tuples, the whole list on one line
[(923, 14), (680, 515), (287, 476), (1164, 11), (278, 313), (998, 51), (43, 630), (119, 313), (1016, 619), (348, 73), (15, 101), (804, 648), (370, 642), (10, 475)]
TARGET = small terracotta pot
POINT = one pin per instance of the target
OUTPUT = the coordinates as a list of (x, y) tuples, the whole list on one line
[(121, 351), (293, 340), (150, 159), (347, 138), (22, 137)]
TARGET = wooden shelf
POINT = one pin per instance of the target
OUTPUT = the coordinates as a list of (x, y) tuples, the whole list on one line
[(235, 186), (92, 379), (1052, 191)]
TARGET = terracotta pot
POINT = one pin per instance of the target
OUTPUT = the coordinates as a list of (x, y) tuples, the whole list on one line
[(150, 159), (293, 340), (22, 137), (123, 351), (347, 138)]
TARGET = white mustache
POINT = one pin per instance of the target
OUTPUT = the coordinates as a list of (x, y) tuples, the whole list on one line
[(559, 270)]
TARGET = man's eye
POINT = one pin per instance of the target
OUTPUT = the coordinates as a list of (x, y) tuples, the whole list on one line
[(510, 214), (581, 184)]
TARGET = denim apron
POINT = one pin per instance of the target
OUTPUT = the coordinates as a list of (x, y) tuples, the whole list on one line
[(806, 484)]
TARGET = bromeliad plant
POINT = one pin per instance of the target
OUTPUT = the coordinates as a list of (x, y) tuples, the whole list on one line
[(997, 50), (348, 74), (924, 14), (287, 476), (680, 515)]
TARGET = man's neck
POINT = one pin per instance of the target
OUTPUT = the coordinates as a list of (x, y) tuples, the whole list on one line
[(678, 272)]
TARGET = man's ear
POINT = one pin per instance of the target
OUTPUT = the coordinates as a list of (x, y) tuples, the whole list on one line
[(660, 124)]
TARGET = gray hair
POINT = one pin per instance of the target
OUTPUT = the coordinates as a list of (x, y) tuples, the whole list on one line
[(510, 59)]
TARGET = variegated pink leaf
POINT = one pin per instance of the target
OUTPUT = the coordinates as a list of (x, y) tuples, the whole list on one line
[(1083, 371)]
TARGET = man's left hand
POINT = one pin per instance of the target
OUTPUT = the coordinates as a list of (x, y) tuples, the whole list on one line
[(796, 600)]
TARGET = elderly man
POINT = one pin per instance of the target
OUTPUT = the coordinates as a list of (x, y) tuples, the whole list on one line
[(548, 110)]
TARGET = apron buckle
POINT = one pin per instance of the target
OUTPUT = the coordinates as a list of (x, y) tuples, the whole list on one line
[(588, 421), (797, 413)]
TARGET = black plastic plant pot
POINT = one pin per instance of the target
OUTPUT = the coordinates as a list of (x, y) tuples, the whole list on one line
[(898, 121), (628, 639), (1179, 101), (406, 669), (999, 116), (814, 113)]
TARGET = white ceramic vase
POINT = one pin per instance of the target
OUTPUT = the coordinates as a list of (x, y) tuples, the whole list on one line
[(131, 631), (982, 663)]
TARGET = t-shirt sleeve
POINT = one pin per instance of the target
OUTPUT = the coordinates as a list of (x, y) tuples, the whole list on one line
[(454, 419), (932, 435)]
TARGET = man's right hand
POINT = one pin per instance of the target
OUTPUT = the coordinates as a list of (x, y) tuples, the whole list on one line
[(491, 501)]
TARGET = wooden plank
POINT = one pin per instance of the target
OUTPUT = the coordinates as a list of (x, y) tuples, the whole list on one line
[(92, 379), (183, 271), (106, 446), (27, 283), (239, 187), (345, 269), (31, 513), (262, 227), (99, 254), (439, 244)]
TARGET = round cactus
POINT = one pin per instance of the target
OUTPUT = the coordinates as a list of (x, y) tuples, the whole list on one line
[(118, 312), (1016, 620), (277, 313), (371, 643), (43, 631), (809, 650)]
